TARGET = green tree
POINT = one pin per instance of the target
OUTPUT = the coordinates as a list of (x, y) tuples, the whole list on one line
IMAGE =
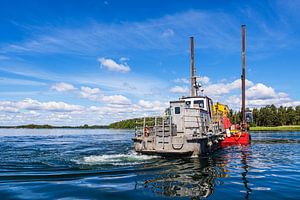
[(231, 116), (282, 115), (255, 114), (297, 118), (291, 116)]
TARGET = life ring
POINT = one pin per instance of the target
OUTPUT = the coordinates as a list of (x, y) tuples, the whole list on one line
[(146, 132)]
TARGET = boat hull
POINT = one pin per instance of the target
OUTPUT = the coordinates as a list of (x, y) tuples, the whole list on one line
[(242, 138), (177, 146)]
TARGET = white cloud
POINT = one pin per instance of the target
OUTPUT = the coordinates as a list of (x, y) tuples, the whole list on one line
[(33, 113), (61, 113), (234, 102), (8, 109), (182, 80), (261, 91), (261, 95), (116, 99), (59, 106), (203, 79), (33, 105), (95, 94), (60, 116), (152, 105), (291, 103), (216, 89), (237, 84), (62, 87), (219, 89), (179, 90), (90, 93), (146, 104), (112, 65), (282, 94), (114, 103)]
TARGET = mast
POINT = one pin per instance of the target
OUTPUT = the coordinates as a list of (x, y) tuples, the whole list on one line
[(192, 67), (243, 78)]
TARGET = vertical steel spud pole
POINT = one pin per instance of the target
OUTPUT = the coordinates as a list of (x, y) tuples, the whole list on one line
[(192, 67), (243, 79)]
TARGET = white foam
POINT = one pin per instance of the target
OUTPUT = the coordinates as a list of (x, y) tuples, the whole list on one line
[(261, 188), (117, 159)]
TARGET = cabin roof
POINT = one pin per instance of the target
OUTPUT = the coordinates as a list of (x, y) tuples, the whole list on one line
[(195, 97), (177, 101)]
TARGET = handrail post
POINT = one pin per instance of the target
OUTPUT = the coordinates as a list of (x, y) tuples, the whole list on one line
[(171, 130), (144, 126), (171, 125), (155, 126), (135, 132), (163, 130)]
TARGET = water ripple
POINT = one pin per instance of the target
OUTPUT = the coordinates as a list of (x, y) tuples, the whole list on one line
[(100, 164)]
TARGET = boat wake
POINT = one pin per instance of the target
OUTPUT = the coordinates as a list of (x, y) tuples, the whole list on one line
[(131, 158)]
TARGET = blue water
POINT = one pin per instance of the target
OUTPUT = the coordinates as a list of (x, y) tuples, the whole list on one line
[(100, 164)]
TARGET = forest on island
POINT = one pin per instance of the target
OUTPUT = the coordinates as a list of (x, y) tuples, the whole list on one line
[(266, 116), (271, 116)]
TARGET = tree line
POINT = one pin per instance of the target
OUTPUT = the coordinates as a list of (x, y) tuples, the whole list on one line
[(47, 126), (266, 116), (271, 116), (136, 122)]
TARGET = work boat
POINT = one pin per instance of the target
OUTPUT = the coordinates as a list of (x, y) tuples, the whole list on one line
[(188, 127), (193, 125)]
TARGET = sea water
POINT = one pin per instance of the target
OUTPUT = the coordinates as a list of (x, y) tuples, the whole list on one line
[(101, 164)]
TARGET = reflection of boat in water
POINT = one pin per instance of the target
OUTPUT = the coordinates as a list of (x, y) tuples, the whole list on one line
[(191, 127), (186, 178), (244, 174), (196, 178)]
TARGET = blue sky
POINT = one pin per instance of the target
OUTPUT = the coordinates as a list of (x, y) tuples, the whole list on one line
[(95, 62)]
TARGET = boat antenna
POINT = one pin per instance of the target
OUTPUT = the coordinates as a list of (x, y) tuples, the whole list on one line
[(192, 67), (198, 86), (243, 77)]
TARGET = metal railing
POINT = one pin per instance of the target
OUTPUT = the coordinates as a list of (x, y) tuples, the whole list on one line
[(165, 128)]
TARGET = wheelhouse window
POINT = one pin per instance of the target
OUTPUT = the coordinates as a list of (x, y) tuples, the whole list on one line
[(199, 103), (177, 110), (188, 104)]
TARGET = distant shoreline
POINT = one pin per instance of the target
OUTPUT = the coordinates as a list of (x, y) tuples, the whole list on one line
[(34, 126), (276, 128)]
